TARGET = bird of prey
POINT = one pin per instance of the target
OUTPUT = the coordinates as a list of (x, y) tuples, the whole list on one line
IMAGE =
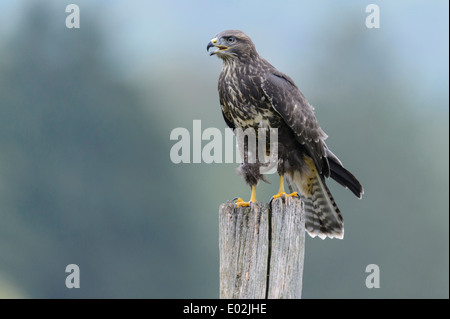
[(254, 94)]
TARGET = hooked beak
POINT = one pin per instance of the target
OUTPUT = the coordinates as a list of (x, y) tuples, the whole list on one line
[(219, 48)]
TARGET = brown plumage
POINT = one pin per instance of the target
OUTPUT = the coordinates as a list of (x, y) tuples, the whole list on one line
[(254, 94)]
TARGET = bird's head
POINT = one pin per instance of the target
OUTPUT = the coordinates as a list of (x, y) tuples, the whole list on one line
[(231, 44)]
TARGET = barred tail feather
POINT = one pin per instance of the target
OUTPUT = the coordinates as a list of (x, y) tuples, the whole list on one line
[(322, 216)]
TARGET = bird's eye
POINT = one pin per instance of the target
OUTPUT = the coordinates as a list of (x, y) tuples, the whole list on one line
[(231, 40)]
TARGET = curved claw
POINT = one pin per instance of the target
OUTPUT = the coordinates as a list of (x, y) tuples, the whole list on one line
[(241, 203), (284, 195)]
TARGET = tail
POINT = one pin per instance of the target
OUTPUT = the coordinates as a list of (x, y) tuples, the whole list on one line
[(322, 216), (342, 176)]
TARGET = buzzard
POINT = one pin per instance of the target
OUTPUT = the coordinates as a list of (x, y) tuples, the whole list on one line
[(254, 94)]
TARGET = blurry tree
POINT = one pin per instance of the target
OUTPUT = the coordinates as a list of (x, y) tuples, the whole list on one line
[(83, 175)]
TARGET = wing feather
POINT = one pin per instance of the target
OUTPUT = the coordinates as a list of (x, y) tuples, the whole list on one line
[(223, 104), (288, 101)]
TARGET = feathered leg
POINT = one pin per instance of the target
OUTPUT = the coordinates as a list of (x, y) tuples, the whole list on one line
[(251, 174)]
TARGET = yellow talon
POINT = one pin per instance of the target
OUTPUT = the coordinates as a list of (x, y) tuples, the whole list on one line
[(241, 203), (281, 192), (284, 194), (293, 194)]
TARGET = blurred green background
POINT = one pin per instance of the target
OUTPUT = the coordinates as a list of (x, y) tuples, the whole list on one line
[(85, 120)]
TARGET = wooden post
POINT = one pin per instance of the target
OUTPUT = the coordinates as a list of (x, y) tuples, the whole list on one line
[(262, 250)]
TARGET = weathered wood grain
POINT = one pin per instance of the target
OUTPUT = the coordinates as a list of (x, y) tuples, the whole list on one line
[(243, 244), (287, 249), (261, 250)]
